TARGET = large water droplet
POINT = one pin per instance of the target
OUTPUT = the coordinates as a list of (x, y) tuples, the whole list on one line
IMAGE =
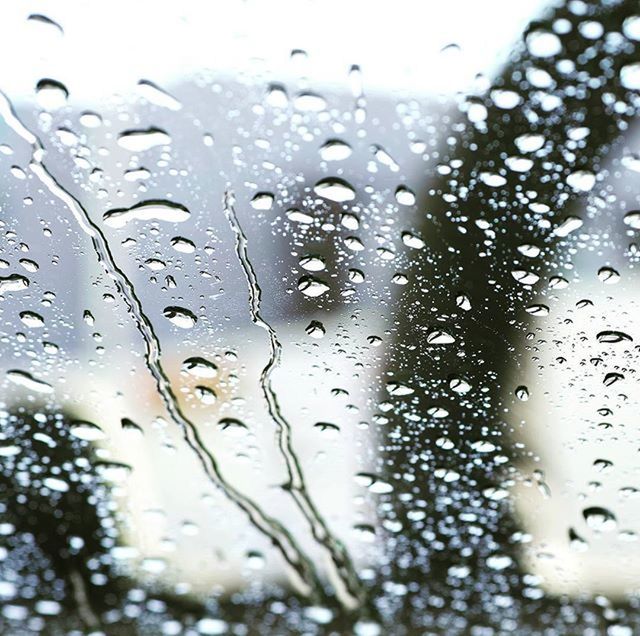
[(180, 317), (143, 139), (600, 519), (153, 210), (22, 378), (199, 367), (335, 189), (13, 282)]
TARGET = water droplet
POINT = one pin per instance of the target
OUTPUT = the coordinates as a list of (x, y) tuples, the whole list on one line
[(143, 139), (398, 389), (630, 76), (612, 378), (335, 189), (522, 393), (277, 96), (492, 180), (599, 519), (180, 317), (158, 96), (405, 196), (299, 217), (13, 282), (53, 483), (356, 276), (90, 120), (22, 378), (205, 395), (32, 319), (459, 385), (610, 337), (543, 43), (199, 367), (413, 241), (312, 287), (530, 251), (576, 542), (231, 423), (51, 94), (350, 221), (87, 431), (309, 102), (632, 219), (529, 142), (538, 310), (262, 201), (183, 245), (437, 336), (570, 224), (153, 210), (312, 263), (518, 164), (315, 329), (524, 277), (327, 426), (581, 180), (335, 150)]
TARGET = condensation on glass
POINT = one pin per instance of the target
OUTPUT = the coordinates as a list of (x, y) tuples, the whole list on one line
[(290, 348)]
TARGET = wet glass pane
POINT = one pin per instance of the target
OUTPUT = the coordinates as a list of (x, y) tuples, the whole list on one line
[(319, 318)]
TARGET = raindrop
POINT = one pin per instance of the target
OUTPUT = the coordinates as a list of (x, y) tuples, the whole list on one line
[(87, 431), (180, 317), (570, 224), (158, 96), (183, 245), (152, 210), (612, 378), (51, 94), (312, 263), (610, 337), (200, 368), (231, 423), (630, 76), (398, 389), (632, 219), (205, 395), (144, 139), (312, 287), (404, 196), (543, 43), (262, 201), (22, 378), (309, 102), (522, 393), (599, 519), (581, 180), (413, 241), (350, 221), (315, 329), (32, 319), (335, 189), (437, 336), (13, 282), (335, 150)]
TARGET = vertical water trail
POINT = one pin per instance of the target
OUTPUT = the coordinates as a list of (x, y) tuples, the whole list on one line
[(353, 589), (276, 532)]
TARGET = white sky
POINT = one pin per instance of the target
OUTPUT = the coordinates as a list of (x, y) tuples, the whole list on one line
[(108, 46)]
